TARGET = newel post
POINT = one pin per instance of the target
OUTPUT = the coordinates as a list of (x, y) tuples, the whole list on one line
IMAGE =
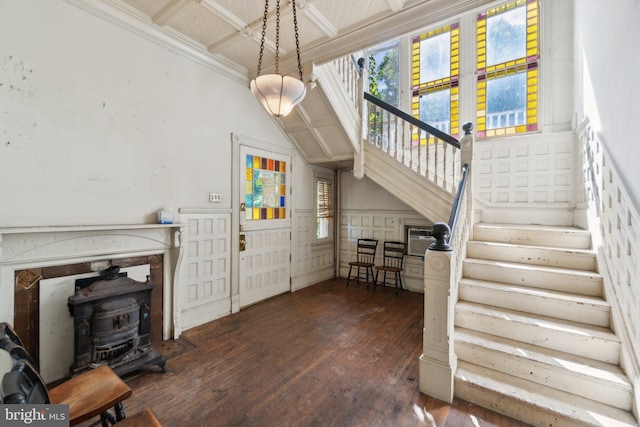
[(438, 361), (442, 268), (363, 83)]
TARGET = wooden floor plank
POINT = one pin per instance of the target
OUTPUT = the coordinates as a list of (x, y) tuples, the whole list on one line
[(326, 355)]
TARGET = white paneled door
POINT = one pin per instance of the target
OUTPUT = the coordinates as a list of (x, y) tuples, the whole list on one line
[(265, 226)]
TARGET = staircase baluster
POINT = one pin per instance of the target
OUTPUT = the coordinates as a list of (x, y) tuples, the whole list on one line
[(396, 133), (427, 155), (404, 143), (445, 170), (436, 157), (392, 147)]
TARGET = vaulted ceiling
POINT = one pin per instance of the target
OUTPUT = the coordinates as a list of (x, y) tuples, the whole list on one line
[(231, 29), (225, 35)]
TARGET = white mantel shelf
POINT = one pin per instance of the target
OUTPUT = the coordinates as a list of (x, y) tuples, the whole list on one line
[(68, 228)]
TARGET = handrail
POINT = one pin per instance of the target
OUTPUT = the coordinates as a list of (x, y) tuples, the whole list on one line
[(416, 122), (444, 232), (455, 208)]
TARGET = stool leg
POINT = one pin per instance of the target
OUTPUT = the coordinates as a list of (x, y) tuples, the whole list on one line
[(119, 411)]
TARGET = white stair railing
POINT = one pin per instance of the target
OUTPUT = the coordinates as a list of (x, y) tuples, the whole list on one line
[(426, 150), (349, 72)]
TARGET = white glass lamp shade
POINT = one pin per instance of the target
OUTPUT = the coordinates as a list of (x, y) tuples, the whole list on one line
[(278, 94)]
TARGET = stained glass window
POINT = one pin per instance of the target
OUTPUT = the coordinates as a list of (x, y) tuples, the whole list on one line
[(507, 67), (435, 75), (266, 188)]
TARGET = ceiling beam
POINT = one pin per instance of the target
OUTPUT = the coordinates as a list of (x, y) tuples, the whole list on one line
[(171, 9)]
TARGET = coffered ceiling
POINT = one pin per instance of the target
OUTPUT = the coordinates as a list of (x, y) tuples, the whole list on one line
[(231, 29)]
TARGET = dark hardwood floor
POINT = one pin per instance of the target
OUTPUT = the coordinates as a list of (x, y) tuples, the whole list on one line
[(326, 355)]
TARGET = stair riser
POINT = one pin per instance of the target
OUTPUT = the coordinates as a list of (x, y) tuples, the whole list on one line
[(557, 281), (557, 239), (576, 311), (607, 392), (592, 347), (511, 406), (533, 256)]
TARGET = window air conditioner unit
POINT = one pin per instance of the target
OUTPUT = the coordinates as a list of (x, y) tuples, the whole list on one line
[(419, 240)]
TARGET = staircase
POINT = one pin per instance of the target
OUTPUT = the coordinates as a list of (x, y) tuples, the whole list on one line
[(532, 335), (532, 332)]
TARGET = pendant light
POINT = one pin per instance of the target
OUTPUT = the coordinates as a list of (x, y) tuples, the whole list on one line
[(278, 94)]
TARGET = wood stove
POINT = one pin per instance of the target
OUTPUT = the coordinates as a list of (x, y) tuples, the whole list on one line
[(112, 322)]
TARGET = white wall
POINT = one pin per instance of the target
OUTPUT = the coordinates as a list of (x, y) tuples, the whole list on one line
[(98, 125), (607, 63), (365, 195)]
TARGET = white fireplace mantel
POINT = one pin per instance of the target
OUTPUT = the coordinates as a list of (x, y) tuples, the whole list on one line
[(34, 247)]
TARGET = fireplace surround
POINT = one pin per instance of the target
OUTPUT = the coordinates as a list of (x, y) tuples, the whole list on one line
[(30, 254)]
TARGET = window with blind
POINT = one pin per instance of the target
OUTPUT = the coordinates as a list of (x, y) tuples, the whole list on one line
[(324, 207)]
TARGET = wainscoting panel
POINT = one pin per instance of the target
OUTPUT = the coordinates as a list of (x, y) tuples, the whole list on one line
[(205, 269), (614, 221), (380, 225), (536, 172), (311, 262)]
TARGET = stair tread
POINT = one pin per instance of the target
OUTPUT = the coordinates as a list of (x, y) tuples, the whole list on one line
[(517, 265), (536, 227), (537, 292), (540, 396), (539, 320), (583, 254), (577, 365), (577, 251)]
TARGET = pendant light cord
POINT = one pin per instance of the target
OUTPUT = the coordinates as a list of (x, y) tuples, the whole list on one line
[(295, 28), (264, 33)]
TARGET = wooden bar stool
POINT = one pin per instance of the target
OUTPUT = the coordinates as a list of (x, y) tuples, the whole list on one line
[(144, 418), (91, 394)]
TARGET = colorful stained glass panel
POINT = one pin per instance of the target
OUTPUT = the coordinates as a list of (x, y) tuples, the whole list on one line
[(507, 68), (265, 189), (435, 76)]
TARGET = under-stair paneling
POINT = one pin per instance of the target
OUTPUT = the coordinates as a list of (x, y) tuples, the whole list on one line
[(205, 288), (311, 262), (380, 225), (534, 171), (408, 186)]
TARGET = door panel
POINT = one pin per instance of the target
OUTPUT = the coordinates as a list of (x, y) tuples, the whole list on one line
[(265, 262)]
